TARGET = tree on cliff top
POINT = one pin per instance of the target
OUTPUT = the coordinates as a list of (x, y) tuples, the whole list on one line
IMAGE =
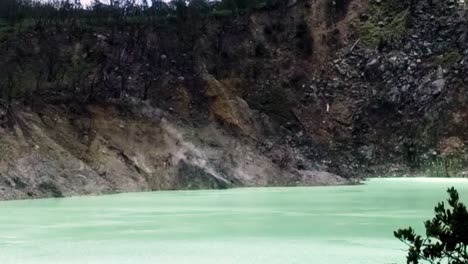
[(446, 238)]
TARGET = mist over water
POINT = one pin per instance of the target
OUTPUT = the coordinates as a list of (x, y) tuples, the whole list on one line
[(343, 224)]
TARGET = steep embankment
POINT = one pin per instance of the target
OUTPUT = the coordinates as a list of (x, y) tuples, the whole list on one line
[(276, 96), (107, 149)]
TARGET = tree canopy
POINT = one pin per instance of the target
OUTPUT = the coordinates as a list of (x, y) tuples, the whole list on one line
[(13, 11)]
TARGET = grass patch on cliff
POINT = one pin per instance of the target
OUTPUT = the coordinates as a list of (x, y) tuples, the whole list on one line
[(372, 33), (448, 58), (389, 21)]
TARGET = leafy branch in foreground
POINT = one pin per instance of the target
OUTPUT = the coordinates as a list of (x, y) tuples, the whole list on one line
[(446, 238)]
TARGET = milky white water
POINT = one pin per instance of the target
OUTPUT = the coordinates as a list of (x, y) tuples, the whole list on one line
[(319, 225)]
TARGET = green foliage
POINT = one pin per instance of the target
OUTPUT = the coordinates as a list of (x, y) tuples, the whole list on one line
[(389, 21), (448, 58), (6, 32), (372, 33), (9, 32), (446, 238), (119, 12)]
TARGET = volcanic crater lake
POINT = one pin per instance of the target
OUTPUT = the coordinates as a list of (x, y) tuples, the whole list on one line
[(340, 224)]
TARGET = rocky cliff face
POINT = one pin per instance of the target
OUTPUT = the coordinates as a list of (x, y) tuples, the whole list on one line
[(131, 147), (407, 96), (286, 96)]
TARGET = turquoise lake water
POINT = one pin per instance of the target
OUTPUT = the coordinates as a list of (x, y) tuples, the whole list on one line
[(319, 225)]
